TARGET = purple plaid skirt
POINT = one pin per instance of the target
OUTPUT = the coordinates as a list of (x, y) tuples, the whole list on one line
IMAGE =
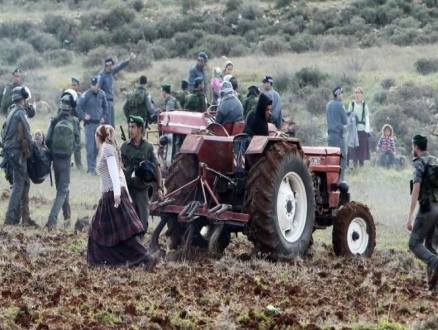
[(111, 225), (113, 233)]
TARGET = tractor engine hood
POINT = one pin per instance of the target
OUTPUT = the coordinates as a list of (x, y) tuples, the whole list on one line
[(183, 122)]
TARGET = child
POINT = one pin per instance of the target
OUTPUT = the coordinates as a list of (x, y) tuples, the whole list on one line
[(39, 138), (216, 85), (386, 146)]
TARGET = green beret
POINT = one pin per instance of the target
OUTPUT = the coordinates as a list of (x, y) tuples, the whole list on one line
[(185, 81), (165, 86), (75, 80), (199, 80), (419, 139), (136, 119)]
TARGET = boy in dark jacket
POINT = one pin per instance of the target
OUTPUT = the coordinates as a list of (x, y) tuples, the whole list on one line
[(257, 121)]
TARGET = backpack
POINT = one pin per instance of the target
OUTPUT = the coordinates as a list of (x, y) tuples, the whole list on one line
[(63, 138), (134, 101), (39, 164), (430, 171), (362, 121)]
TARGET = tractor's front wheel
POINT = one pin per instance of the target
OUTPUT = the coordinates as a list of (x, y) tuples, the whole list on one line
[(354, 231), (280, 202)]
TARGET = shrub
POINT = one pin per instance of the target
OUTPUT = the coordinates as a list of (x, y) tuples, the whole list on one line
[(316, 101), (17, 29), (387, 83), (380, 97), (282, 3), (117, 16), (12, 50), (329, 44), (138, 5), (95, 57), (404, 37), (88, 40), (283, 81), (274, 45), (346, 79), (221, 46), (250, 9), (407, 91), (189, 5), (59, 57), (42, 42), (159, 52), (301, 43), (58, 25), (142, 62), (30, 62), (309, 76), (231, 5), (239, 50), (184, 41), (426, 66)]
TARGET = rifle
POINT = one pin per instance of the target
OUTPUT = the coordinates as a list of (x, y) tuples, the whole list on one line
[(123, 136)]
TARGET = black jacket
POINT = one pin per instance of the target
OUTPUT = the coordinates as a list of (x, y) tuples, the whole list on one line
[(256, 123)]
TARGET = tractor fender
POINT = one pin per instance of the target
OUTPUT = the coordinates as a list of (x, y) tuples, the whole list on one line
[(258, 143)]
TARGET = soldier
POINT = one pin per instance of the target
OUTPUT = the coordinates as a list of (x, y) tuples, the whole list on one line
[(139, 103), (276, 116), (6, 97), (92, 108), (62, 138), (170, 103), (182, 94), (426, 219), (250, 102), (106, 77), (198, 71), (17, 139), (134, 151), (196, 99)]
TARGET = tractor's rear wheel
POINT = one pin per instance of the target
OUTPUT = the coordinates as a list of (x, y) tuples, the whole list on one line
[(280, 201), (183, 170), (354, 231)]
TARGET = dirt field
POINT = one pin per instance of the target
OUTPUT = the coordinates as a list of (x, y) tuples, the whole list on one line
[(46, 283)]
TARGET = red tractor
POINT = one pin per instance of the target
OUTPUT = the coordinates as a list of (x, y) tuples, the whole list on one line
[(269, 188)]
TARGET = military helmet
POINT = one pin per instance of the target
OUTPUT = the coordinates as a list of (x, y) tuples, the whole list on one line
[(20, 92), (71, 95), (65, 103)]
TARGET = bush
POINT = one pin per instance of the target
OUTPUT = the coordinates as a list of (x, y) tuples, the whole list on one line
[(88, 40), (189, 5), (17, 29), (316, 102), (142, 62), (159, 52), (12, 50), (219, 45), (330, 44), (117, 16), (426, 66), (58, 57), (282, 3), (309, 76), (30, 62), (250, 9), (283, 81), (273, 46), (301, 43), (387, 83), (43, 42), (95, 57), (231, 5), (380, 97), (239, 50), (138, 5), (58, 25)]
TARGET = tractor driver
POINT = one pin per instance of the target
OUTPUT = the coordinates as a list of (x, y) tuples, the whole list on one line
[(257, 120)]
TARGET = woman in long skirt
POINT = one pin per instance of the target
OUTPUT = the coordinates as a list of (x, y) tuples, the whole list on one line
[(114, 236)]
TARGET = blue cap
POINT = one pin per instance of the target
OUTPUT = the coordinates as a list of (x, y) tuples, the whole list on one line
[(203, 56), (94, 81), (109, 60)]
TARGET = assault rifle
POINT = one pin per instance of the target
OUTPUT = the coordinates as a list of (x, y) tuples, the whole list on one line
[(123, 136)]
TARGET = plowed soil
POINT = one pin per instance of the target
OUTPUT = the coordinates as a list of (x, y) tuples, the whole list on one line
[(46, 284)]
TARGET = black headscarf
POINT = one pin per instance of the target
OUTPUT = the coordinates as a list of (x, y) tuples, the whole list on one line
[(256, 123)]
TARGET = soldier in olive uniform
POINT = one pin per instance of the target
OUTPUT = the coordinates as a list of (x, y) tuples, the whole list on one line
[(170, 103), (6, 96), (250, 102), (134, 151), (196, 99), (17, 139), (426, 219), (182, 94)]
